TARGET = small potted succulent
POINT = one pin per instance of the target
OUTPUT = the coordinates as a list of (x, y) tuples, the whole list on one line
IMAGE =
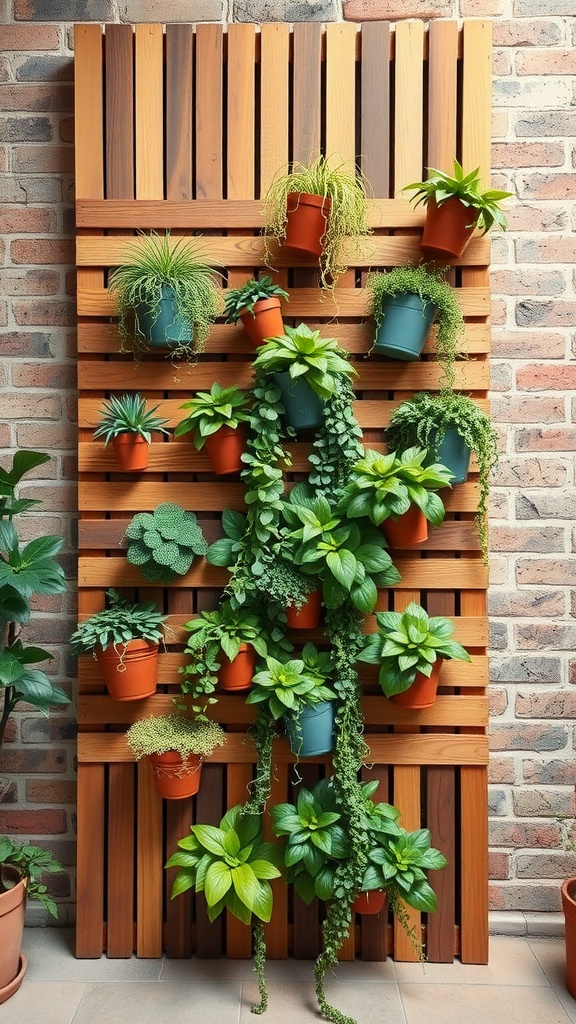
[(397, 493), (165, 542), (222, 648), (166, 296), (126, 421), (216, 418), (305, 367), (450, 426), (454, 208), (313, 208), (409, 647), (124, 638), (176, 747), (257, 305)]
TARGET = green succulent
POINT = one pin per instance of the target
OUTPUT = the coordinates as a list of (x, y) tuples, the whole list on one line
[(210, 410), (128, 414), (164, 543), (303, 353), (118, 624), (242, 300), (385, 486), (484, 206)]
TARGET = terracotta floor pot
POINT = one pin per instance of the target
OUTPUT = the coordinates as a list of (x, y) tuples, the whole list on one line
[(372, 902), (306, 224), (132, 676), (174, 778), (131, 452), (266, 323), (446, 231), (12, 907), (308, 616), (422, 693), (237, 674), (569, 908), (411, 528), (225, 449)]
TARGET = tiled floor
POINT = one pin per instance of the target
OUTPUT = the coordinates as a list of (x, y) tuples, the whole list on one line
[(523, 984)]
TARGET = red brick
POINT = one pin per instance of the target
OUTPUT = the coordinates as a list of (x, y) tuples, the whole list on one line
[(66, 129), (546, 377), (517, 538), (33, 761), (18, 220), (523, 281), (549, 773), (522, 835), (533, 313), (535, 803), (34, 435), (546, 186), (31, 407), (43, 159), (527, 154), (42, 250), (26, 343), (384, 10), (30, 37), (520, 603), (30, 282), (555, 704), (549, 636), (499, 865), (528, 345), (520, 409), (546, 62), (501, 770), (33, 823), (37, 97), (543, 217), (546, 865), (55, 499), (50, 791), (497, 701), (45, 314), (523, 32), (538, 472), (523, 736), (57, 376), (546, 250), (501, 62), (541, 440), (530, 898), (558, 572)]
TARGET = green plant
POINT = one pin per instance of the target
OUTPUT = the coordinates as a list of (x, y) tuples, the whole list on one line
[(26, 571), (409, 642), (30, 862), (347, 217), (128, 414), (385, 486), (424, 419), (161, 733), (164, 543), (303, 353), (156, 262), (288, 686), (242, 300), (430, 285), (117, 625), (210, 410), (440, 187)]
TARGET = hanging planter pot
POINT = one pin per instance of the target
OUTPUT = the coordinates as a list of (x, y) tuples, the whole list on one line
[(12, 960), (371, 902), (130, 674), (308, 616), (454, 453), (236, 675), (167, 328), (175, 777), (131, 452), (406, 321), (410, 528), (304, 408), (307, 215), (422, 693), (311, 730), (448, 228), (266, 322), (569, 908), (225, 449)]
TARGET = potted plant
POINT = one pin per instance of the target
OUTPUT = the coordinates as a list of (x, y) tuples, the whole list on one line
[(216, 419), (454, 207), (313, 208), (397, 493), (405, 303), (124, 639), (449, 426), (298, 692), (176, 747), (166, 295), (305, 367), (128, 423), (257, 305), (409, 647), (164, 543)]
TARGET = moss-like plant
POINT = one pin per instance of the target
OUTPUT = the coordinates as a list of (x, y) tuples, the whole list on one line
[(158, 734), (164, 543)]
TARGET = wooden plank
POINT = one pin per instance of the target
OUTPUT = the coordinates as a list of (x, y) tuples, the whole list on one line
[(149, 113), (88, 108), (340, 92), (374, 928), (477, 98), (274, 104), (209, 92), (241, 111), (90, 853), (149, 865), (375, 108), (178, 910), (209, 811), (442, 94), (120, 859), (238, 935), (179, 114), (409, 97), (407, 780), (306, 100), (474, 865), (276, 932), (119, 112), (306, 923)]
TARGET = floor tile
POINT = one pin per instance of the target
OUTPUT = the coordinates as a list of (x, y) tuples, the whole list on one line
[(232, 970), (479, 1004), (50, 1002), (512, 962), (367, 1003), (53, 959), (551, 956), (152, 1002)]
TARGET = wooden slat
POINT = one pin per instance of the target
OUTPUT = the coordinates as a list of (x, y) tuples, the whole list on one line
[(409, 93), (209, 810), (179, 115), (442, 94), (241, 111), (306, 102), (149, 864), (90, 854), (340, 92), (88, 111), (375, 108), (274, 105), (119, 113), (149, 128), (120, 876), (209, 92)]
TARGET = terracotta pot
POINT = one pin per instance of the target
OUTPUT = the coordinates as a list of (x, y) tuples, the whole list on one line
[(12, 960), (308, 616), (446, 231), (410, 528), (371, 902), (422, 693), (131, 452), (132, 675), (175, 778), (266, 323), (225, 449), (306, 222), (569, 907), (237, 674)]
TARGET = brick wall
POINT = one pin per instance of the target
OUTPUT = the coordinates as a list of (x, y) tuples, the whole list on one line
[(533, 699)]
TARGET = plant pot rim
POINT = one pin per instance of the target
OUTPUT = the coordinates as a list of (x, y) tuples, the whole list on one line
[(310, 199), (14, 985)]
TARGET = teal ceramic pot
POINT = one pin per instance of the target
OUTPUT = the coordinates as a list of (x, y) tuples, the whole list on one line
[(454, 453), (312, 732), (304, 408), (167, 328), (406, 320)]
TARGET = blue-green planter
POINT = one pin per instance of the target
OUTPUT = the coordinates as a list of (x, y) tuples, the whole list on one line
[(454, 453), (406, 320), (312, 732), (167, 328), (304, 408)]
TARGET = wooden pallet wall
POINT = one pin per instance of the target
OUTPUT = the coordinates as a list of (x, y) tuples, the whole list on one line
[(184, 128)]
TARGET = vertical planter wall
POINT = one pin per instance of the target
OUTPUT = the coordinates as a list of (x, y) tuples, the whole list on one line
[(146, 159)]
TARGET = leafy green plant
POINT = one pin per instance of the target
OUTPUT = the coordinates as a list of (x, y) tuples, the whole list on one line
[(346, 219), (210, 410), (288, 686), (242, 300), (128, 414), (164, 543), (156, 262), (118, 624), (158, 734), (303, 353), (424, 420), (409, 642), (385, 486), (30, 862), (439, 186)]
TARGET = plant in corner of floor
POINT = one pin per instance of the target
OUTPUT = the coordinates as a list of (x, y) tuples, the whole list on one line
[(164, 543)]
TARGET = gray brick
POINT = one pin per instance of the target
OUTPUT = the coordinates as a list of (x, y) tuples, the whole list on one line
[(525, 670), (549, 123), (63, 10), (536, 505), (45, 69), (285, 10), (546, 865), (172, 10), (26, 129)]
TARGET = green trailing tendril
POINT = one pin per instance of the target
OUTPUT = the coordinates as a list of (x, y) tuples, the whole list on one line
[(338, 445), (262, 734), (259, 964)]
